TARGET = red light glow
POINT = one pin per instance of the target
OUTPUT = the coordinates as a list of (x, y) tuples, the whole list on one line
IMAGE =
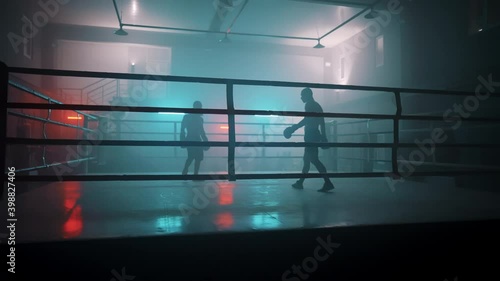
[(224, 220), (73, 226), (225, 194)]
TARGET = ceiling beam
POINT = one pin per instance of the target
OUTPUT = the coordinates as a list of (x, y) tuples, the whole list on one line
[(352, 18), (151, 27), (117, 13)]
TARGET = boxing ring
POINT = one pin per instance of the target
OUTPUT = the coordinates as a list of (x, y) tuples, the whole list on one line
[(157, 208), (230, 112)]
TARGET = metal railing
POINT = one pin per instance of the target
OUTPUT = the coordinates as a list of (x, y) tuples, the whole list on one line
[(101, 91), (45, 121), (264, 133), (231, 112)]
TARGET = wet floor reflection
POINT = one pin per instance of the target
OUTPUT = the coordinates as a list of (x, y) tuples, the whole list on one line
[(265, 220), (169, 224), (72, 210), (225, 193), (224, 220), (73, 225)]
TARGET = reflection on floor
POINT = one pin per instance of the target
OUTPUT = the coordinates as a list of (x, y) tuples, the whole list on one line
[(83, 210)]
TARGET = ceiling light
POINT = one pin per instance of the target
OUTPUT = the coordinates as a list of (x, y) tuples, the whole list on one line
[(121, 32), (319, 46), (134, 8)]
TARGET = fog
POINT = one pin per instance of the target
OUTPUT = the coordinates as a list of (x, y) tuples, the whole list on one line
[(398, 55)]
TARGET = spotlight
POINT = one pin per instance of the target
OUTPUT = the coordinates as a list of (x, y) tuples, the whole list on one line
[(121, 32), (371, 15), (319, 46)]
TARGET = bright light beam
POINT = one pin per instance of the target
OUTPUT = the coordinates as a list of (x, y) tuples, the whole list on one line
[(171, 113)]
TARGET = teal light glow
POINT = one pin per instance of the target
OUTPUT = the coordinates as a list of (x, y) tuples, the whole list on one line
[(171, 113), (265, 220), (169, 224)]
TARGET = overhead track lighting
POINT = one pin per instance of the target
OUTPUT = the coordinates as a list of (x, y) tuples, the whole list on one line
[(370, 15), (120, 31)]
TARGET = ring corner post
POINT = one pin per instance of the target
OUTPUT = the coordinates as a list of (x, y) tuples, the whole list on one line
[(232, 132)]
